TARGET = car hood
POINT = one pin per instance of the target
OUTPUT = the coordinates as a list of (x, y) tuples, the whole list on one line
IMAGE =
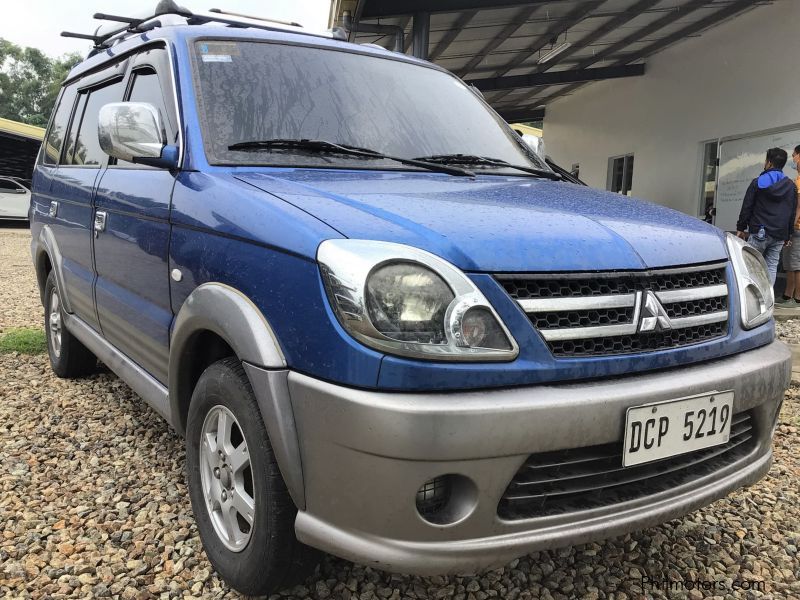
[(498, 224)]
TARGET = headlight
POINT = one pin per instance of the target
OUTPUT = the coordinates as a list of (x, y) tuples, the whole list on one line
[(756, 297), (405, 301)]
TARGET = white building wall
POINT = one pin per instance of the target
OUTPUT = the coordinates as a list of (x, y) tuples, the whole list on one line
[(741, 77)]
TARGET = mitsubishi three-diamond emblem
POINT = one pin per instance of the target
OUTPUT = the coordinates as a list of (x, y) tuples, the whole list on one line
[(653, 316)]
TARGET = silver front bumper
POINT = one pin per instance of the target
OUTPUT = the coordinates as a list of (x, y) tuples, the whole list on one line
[(365, 454)]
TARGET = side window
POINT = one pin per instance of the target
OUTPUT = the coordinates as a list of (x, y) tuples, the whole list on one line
[(147, 88), (87, 146), (58, 127), (8, 186), (69, 150)]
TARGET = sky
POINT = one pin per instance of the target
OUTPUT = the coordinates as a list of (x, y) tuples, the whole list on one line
[(39, 23)]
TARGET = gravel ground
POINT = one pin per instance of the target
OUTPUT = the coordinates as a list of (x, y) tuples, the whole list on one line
[(93, 504), (789, 331), (19, 305)]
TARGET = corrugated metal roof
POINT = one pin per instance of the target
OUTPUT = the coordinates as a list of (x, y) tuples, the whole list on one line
[(21, 129), (487, 41), (19, 145)]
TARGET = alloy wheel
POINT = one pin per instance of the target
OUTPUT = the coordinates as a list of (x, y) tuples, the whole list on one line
[(226, 477), (54, 323)]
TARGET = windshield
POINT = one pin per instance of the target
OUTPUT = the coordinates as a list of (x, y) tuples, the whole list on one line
[(255, 91)]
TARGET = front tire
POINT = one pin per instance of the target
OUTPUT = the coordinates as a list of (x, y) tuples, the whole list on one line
[(243, 511), (69, 358)]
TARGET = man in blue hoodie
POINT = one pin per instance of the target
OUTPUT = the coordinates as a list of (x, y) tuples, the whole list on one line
[(766, 220)]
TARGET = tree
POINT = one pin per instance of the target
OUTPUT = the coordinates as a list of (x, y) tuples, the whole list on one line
[(30, 81)]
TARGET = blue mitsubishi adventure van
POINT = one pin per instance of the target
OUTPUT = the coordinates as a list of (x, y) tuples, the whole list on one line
[(386, 329)]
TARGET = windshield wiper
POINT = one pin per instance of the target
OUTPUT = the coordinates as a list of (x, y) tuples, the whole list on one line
[(330, 147), (471, 159)]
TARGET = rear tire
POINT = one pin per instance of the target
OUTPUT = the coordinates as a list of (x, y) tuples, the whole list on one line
[(69, 358), (243, 511)]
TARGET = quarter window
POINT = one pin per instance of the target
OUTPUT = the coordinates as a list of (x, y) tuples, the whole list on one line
[(58, 127)]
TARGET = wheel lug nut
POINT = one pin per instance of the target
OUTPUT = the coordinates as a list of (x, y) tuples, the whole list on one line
[(224, 495), (216, 472), (221, 455)]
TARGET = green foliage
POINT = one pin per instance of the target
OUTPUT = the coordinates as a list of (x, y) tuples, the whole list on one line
[(29, 82), (25, 341)]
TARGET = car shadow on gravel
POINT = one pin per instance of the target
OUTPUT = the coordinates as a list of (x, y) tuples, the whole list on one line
[(14, 225)]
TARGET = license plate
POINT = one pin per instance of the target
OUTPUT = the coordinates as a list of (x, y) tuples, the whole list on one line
[(664, 429)]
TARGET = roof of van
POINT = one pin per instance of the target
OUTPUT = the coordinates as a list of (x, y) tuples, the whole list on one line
[(182, 33)]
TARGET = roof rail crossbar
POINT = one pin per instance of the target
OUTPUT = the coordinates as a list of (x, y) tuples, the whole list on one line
[(133, 22), (233, 14), (83, 36), (202, 19), (135, 25)]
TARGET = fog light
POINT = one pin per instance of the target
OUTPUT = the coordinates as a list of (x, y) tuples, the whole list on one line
[(446, 499), (433, 496)]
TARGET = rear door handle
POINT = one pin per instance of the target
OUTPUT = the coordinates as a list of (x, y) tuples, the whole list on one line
[(53, 211), (99, 222)]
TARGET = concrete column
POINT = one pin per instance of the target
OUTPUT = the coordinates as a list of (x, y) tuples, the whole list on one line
[(421, 34)]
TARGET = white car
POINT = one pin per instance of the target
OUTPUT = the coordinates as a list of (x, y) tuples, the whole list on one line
[(15, 199)]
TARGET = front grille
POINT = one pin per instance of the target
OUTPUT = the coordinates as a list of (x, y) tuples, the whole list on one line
[(597, 314), (577, 479), (623, 344), (583, 318), (603, 284)]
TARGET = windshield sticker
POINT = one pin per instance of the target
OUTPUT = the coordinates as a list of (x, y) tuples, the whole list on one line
[(216, 58), (219, 48)]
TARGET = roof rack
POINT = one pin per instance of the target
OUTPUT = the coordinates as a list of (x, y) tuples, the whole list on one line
[(167, 12), (233, 14)]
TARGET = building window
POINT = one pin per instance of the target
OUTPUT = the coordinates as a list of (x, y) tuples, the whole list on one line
[(620, 174), (708, 183)]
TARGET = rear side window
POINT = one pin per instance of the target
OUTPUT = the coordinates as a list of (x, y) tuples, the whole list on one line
[(58, 127), (87, 150)]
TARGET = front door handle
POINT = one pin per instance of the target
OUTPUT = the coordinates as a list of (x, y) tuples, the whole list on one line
[(53, 211), (99, 222)]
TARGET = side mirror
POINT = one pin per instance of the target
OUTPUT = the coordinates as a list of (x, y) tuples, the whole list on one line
[(134, 132)]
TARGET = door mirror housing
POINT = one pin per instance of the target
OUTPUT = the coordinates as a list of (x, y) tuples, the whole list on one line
[(134, 132)]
